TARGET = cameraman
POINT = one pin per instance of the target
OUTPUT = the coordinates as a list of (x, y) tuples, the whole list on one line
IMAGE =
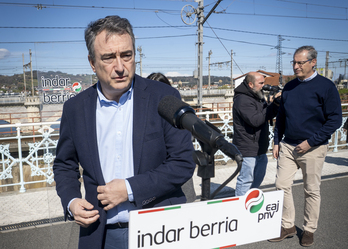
[(250, 115)]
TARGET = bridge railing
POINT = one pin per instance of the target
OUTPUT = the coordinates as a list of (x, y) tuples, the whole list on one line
[(193, 93), (26, 158)]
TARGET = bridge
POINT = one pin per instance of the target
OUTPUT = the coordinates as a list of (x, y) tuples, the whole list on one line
[(30, 205)]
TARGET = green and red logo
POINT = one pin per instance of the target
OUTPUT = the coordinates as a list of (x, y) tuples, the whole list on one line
[(76, 87), (254, 200)]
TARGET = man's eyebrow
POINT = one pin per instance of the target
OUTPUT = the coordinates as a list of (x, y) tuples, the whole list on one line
[(114, 54), (127, 51), (108, 54)]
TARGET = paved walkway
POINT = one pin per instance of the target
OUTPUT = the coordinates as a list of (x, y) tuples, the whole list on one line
[(37, 205)]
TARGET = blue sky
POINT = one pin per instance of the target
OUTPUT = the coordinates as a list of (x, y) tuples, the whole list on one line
[(55, 34)]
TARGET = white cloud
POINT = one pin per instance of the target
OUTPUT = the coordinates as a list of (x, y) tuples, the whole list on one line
[(175, 74), (4, 53), (168, 74)]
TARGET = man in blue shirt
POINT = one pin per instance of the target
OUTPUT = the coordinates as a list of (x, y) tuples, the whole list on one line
[(130, 156), (310, 111)]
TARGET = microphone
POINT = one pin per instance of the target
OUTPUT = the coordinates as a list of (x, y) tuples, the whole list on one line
[(180, 115)]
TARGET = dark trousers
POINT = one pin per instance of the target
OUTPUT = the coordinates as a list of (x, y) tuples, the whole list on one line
[(116, 238)]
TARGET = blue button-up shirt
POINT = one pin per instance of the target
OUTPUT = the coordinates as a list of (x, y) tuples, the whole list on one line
[(310, 77), (115, 146)]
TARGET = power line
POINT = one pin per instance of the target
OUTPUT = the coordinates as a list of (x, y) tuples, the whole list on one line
[(12, 42), (291, 36), (163, 37), (267, 45), (284, 16), (246, 42), (296, 9), (135, 27), (77, 41), (166, 36), (41, 6), (225, 48), (314, 4), (185, 26)]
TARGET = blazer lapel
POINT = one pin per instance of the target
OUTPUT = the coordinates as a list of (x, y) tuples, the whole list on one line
[(140, 109), (90, 106)]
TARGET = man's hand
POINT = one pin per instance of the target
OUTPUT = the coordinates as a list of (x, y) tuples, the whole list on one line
[(302, 147), (275, 151), (272, 98), (83, 212), (113, 193)]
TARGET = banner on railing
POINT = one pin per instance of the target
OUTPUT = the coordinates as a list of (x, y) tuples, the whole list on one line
[(58, 88), (210, 224)]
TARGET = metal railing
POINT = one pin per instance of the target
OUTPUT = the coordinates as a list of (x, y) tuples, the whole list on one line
[(193, 93), (35, 152)]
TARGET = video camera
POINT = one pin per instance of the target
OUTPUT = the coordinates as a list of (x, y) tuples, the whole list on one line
[(273, 89)]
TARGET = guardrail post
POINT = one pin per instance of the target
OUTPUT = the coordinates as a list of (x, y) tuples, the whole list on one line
[(21, 173), (336, 141)]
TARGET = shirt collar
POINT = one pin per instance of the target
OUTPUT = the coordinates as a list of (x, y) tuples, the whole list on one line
[(310, 77), (104, 101)]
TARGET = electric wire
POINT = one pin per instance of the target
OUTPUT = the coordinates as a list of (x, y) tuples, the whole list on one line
[(225, 47)]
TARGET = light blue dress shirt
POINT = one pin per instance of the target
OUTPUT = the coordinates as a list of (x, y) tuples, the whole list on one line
[(115, 146), (310, 77)]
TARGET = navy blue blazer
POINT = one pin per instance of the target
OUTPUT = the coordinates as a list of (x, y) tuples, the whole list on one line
[(162, 155)]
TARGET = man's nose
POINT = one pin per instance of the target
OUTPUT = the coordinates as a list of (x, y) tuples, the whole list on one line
[(118, 64), (296, 65)]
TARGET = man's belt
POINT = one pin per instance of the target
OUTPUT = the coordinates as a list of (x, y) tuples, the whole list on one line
[(117, 225)]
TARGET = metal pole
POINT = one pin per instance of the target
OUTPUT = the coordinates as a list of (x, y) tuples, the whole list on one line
[(200, 53), (25, 84), (211, 11), (21, 172), (327, 64), (31, 72), (141, 64), (232, 70), (210, 53)]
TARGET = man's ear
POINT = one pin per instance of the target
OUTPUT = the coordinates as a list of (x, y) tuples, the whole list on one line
[(91, 62), (251, 85)]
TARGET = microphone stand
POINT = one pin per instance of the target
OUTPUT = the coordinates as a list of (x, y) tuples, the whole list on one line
[(206, 170), (206, 165)]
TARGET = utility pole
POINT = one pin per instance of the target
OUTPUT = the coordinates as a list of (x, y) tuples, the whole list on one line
[(186, 16), (279, 64), (345, 66), (210, 53), (28, 65), (232, 70), (327, 64), (200, 53), (31, 74), (140, 50), (25, 84)]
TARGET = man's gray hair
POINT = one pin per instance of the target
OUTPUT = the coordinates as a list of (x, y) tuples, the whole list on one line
[(250, 78), (112, 25), (312, 53)]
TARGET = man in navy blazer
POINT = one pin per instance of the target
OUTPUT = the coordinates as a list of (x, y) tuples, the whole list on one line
[(122, 171)]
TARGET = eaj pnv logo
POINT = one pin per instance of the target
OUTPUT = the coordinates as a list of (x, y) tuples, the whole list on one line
[(254, 200), (77, 87)]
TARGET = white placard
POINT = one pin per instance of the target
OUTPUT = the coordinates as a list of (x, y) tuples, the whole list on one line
[(210, 224)]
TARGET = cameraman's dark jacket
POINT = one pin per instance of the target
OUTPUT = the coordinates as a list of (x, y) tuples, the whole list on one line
[(250, 121)]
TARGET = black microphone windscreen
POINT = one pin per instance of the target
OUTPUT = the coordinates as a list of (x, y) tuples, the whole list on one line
[(168, 106)]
